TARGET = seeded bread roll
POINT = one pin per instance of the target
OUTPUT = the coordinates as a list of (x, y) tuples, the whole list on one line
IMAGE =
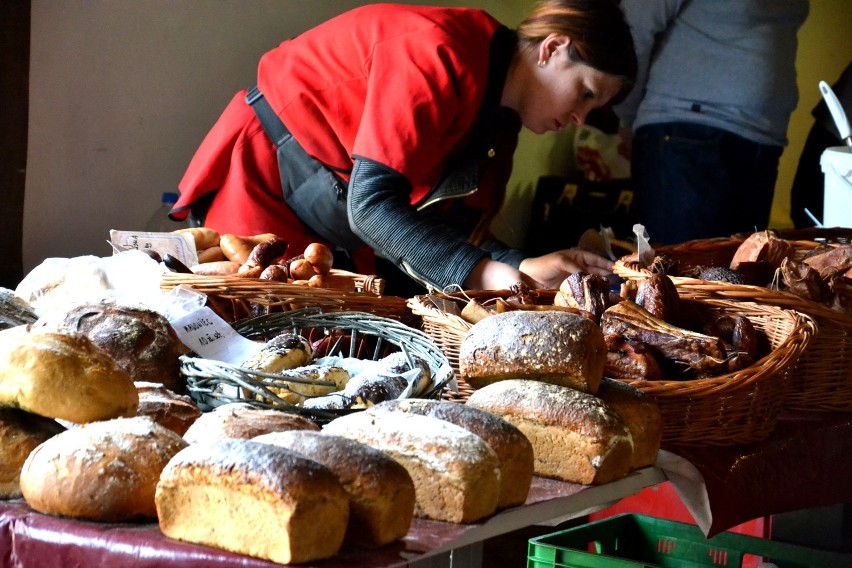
[(555, 347), (513, 450), (641, 414), (176, 412), (575, 436), (62, 375), (456, 474), (142, 342), (20, 433), (102, 471), (240, 420), (255, 499), (381, 493)]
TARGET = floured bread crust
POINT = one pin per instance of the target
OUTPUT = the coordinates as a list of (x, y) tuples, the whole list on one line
[(551, 346), (575, 436)]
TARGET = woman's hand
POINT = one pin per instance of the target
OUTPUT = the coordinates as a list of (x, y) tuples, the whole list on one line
[(549, 270), (492, 275)]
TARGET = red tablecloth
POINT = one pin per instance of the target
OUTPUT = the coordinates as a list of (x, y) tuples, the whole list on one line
[(34, 540), (805, 463)]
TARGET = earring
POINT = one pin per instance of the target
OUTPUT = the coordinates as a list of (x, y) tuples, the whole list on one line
[(542, 62)]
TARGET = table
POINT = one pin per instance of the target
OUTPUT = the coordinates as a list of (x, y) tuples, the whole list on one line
[(37, 541)]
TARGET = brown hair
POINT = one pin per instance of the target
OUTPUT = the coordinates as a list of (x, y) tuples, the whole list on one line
[(600, 36)]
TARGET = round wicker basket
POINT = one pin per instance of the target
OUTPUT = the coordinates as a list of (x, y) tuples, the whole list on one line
[(234, 298), (822, 379), (350, 334), (734, 408)]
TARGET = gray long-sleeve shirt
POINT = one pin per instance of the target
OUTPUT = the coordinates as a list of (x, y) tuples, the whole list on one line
[(730, 64)]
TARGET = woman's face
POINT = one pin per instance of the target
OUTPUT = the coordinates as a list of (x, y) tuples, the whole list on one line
[(562, 92)]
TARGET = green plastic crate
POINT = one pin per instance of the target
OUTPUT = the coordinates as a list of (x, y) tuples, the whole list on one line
[(633, 541)]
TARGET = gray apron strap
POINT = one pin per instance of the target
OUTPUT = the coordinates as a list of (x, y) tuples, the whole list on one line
[(315, 194)]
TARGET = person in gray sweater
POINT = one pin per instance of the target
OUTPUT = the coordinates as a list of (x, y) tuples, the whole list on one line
[(709, 114)]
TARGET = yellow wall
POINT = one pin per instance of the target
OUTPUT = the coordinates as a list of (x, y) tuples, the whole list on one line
[(825, 48)]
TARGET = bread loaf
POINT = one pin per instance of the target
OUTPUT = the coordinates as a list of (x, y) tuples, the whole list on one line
[(640, 414), (62, 375), (555, 347), (381, 493), (141, 341), (174, 411), (456, 474), (20, 433), (513, 450), (255, 499), (102, 471), (575, 436), (14, 311), (241, 420)]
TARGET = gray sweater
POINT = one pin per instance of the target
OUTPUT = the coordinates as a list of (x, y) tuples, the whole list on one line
[(729, 64)]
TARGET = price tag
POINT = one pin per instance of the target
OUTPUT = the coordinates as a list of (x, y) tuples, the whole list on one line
[(179, 245), (212, 338)]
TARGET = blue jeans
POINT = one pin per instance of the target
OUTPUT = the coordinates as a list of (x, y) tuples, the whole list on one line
[(693, 181)]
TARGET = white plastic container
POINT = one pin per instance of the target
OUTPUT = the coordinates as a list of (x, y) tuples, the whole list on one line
[(836, 165)]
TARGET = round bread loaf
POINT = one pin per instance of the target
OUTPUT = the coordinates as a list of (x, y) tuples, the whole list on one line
[(176, 412), (62, 375), (513, 450), (381, 493), (240, 420), (576, 436), (20, 433), (102, 471), (255, 499), (14, 311), (456, 474), (141, 341), (555, 347)]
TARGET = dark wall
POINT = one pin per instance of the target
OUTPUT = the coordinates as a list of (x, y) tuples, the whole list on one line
[(14, 81)]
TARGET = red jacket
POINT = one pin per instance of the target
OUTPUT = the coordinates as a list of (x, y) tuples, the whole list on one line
[(399, 85)]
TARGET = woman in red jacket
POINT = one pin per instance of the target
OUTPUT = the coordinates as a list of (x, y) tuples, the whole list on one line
[(394, 126)]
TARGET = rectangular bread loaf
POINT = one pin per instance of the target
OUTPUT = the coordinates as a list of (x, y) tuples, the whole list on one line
[(252, 498), (641, 413), (381, 493), (575, 436), (456, 474)]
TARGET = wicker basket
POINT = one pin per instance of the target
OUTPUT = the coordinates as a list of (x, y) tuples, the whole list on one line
[(351, 334), (734, 408), (822, 378), (234, 298)]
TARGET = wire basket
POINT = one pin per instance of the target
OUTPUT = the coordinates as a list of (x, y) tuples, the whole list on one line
[(348, 334), (733, 408), (822, 378), (439, 319), (235, 298)]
